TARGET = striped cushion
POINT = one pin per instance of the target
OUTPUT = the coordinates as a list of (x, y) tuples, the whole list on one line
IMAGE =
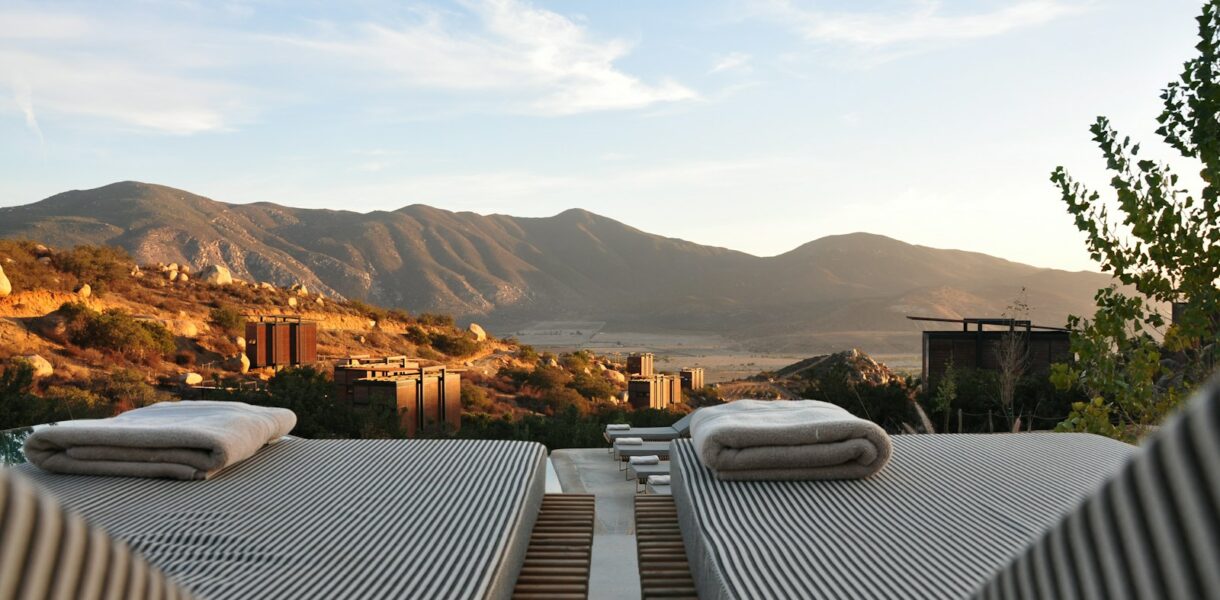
[(946, 513), (47, 552), (1151, 532), (332, 518)]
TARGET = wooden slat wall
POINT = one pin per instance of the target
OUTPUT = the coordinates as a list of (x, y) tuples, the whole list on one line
[(560, 550), (664, 572)]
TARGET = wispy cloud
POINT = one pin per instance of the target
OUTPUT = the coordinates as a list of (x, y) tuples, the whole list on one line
[(925, 21), (729, 62), (537, 60)]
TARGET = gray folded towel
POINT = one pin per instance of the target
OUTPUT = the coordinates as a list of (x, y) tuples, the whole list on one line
[(629, 441), (650, 459), (175, 440), (618, 427), (658, 479), (787, 440)]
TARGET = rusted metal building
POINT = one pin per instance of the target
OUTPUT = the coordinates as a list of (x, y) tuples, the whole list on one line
[(640, 365), (692, 378), (424, 398), (281, 341), (660, 391), (974, 347)]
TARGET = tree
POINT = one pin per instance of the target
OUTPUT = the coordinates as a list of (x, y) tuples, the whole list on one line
[(1166, 247), (1012, 356)]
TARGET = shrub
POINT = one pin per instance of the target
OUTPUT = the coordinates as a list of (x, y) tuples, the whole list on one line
[(455, 345), (116, 331), (436, 320), (474, 398), (99, 266), (592, 387), (416, 335), (228, 319), (545, 379)]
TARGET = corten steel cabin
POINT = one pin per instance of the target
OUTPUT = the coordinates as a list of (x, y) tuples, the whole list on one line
[(692, 378), (281, 341), (659, 391), (640, 365), (423, 397), (974, 347)]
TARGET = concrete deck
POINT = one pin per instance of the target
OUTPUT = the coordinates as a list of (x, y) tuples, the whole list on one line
[(615, 573)]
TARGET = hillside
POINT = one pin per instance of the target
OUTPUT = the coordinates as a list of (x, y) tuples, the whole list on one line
[(835, 292)]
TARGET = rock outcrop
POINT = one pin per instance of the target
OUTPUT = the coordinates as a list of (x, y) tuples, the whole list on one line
[(191, 379), (84, 290), (6, 287), (479, 334), (216, 274), (42, 367)]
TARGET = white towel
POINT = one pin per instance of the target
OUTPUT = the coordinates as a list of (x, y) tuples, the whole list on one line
[(658, 479), (175, 440), (651, 459), (787, 440), (629, 441), (618, 427)]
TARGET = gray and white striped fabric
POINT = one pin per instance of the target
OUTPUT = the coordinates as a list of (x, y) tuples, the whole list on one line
[(944, 515), (1151, 532), (332, 519), (47, 552)]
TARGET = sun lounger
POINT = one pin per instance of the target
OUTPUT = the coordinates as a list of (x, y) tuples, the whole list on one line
[(641, 473), (680, 428), (623, 451), (330, 519), (953, 515), (47, 552), (658, 489)]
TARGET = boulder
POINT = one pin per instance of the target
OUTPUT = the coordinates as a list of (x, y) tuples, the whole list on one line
[(263, 285), (320, 302), (191, 379), (292, 301), (171, 274), (6, 287), (240, 342), (299, 289), (184, 268), (239, 363), (372, 324), (171, 267), (84, 291), (479, 334), (41, 251), (616, 376), (42, 367), (216, 274), (183, 277)]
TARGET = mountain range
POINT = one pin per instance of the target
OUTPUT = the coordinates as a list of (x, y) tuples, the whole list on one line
[(504, 271)]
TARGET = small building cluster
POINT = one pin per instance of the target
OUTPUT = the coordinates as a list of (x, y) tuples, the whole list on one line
[(649, 389), (423, 397)]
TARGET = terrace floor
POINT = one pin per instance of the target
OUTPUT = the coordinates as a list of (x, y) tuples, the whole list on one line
[(614, 573)]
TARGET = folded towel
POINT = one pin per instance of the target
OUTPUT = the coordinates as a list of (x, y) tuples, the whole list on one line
[(175, 440), (629, 441), (651, 459), (804, 439), (618, 427), (658, 479)]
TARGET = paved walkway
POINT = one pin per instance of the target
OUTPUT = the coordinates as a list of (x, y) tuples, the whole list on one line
[(614, 573)]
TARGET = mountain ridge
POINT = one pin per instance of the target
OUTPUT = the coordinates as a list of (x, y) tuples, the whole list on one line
[(507, 271)]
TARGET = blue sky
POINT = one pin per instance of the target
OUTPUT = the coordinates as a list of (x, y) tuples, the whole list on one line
[(751, 125)]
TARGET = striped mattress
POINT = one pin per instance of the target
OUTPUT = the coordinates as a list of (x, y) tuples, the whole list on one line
[(331, 519), (944, 515)]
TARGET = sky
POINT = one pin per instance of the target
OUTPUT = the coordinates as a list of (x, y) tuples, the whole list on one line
[(754, 125)]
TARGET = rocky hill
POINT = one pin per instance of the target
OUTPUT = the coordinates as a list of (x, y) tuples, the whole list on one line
[(835, 292)]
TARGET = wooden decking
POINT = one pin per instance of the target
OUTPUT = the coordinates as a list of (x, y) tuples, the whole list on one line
[(557, 562), (664, 572)]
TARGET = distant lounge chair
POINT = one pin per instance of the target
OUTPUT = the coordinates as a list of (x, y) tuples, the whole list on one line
[(622, 452), (1000, 517), (658, 489), (330, 518), (641, 473), (680, 428)]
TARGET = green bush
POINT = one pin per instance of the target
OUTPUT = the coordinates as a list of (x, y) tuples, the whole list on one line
[(458, 345), (474, 398), (228, 319), (593, 387), (436, 320), (99, 266), (416, 335), (116, 331)]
